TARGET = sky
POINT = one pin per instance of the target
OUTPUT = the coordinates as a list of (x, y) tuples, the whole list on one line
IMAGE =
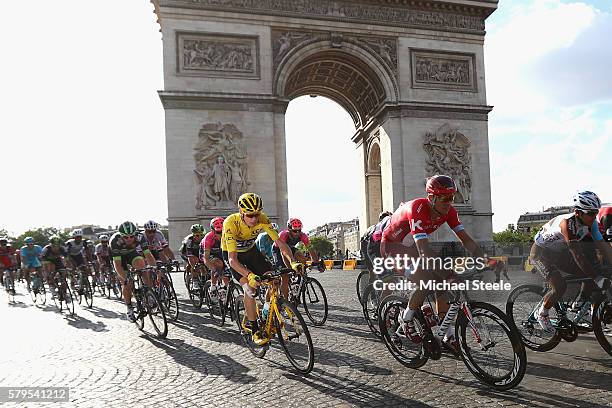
[(82, 127)]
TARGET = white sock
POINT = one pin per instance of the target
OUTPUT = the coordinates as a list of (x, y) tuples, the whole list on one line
[(544, 311)]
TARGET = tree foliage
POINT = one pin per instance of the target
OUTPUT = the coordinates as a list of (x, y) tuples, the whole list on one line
[(512, 237), (322, 245), (41, 236)]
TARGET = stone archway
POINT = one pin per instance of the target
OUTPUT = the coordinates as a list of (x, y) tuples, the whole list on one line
[(410, 74)]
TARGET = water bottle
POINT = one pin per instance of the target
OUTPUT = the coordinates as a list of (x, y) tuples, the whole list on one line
[(429, 316), (265, 311)]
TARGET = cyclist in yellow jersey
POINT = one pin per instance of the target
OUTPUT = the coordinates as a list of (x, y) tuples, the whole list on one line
[(240, 230)]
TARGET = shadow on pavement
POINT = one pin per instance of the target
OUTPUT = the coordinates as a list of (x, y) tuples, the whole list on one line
[(205, 363)]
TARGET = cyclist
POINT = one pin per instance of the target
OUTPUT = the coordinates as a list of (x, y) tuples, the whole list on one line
[(75, 247), (211, 256), (129, 248), (190, 251), (158, 245), (292, 236), (370, 242), (7, 258), (565, 246), (103, 255), (30, 259), (408, 233), (240, 230), (53, 260), (264, 243), (604, 218)]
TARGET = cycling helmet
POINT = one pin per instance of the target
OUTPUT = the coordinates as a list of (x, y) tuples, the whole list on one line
[(440, 184), (216, 224), (55, 240), (384, 214), (128, 228), (586, 201), (294, 224), (103, 238), (77, 233), (150, 226), (275, 226), (28, 240), (250, 203), (197, 229)]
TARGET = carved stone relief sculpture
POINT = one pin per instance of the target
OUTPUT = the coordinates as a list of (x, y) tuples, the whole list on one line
[(217, 55), (443, 71), (220, 166), (448, 153)]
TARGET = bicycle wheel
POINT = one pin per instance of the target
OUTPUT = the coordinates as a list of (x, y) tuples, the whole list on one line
[(156, 313), (602, 325), (371, 301), (294, 337), (363, 280), (101, 285), (87, 293), (117, 288), (139, 310), (241, 319), (404, 350), (491, 349), (522, 307), (196, 294), (314, 301), (215, 309), (68, 299), (169, 300), (41, 295)]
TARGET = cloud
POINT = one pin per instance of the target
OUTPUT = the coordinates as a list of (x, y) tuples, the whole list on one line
[(523, 35), (579, 73), (548, 170)]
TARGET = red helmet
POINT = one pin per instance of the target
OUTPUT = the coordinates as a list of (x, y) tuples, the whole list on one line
[(294, 224), (216, 224), (440, 184)]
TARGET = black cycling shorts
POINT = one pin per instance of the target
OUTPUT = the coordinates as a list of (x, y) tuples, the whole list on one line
[(59, 264), (277, 256), (78, 259), (254, 260)]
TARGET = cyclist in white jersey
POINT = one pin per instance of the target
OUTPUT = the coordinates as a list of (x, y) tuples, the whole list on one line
[(566, 246)]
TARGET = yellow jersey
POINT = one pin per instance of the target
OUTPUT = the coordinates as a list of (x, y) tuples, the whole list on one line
[(239, 237)]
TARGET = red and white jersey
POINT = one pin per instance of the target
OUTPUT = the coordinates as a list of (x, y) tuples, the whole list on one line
[(414, 218)]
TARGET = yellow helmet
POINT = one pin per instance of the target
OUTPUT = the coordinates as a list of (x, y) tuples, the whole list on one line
[(250, 203)]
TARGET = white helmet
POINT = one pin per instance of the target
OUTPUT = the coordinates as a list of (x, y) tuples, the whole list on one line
[(586, 201), (77, 233), (150, 226), (103, 237)]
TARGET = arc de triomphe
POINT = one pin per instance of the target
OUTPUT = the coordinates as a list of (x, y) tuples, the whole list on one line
[(410, 74)]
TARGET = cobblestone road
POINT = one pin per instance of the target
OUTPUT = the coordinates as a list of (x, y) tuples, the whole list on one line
[(106, 361)]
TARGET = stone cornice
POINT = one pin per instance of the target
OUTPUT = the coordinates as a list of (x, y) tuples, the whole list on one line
[(465, 16), (451, 111), (222, 101)]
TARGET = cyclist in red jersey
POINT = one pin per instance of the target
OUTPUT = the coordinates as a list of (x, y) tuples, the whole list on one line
[(408, 234), (604, 218)]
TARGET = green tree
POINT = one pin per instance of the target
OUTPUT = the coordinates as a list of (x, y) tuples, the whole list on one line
[(40, 235), (322, 245), (511, 237)]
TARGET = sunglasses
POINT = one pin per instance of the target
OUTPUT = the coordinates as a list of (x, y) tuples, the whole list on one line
[(448, 198), (591, 213), (296, 231), (128, 236), (252, 215)]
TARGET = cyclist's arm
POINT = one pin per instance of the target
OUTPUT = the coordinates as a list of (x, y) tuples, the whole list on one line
[(284, 248), (168, 252), (576, 249), (206, 259), (149, 257), (605, 248), (236, 265)]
